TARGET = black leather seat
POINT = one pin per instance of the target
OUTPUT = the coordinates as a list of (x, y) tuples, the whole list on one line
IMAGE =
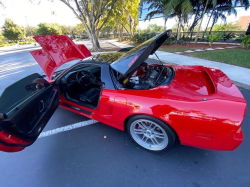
[(91, 95)]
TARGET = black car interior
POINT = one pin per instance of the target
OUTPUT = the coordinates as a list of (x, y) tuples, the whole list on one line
[(82, 85)]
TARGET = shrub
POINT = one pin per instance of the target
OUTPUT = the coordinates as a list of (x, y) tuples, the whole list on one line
[(4, 44), (168, 41), (25, 42), (78, 39), (228, 36), (245, 41), (139, 38), (211, 38)]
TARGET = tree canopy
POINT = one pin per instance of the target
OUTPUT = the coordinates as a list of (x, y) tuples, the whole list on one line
[(48, 28), (93, 14), (152, 28), (65, 29), (78, 30), (12, 31), (228, 27), (30, 31)]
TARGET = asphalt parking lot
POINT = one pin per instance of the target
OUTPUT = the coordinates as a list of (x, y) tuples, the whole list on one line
[(83, 157)]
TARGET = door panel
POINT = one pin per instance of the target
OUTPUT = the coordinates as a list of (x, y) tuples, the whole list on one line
[(26, 108)]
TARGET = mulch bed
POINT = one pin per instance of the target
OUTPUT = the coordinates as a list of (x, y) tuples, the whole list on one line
[(197, 45), (105, 49)]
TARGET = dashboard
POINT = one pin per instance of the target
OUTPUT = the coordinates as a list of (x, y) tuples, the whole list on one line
[(70, 77)]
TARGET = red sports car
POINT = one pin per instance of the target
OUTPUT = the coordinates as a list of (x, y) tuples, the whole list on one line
[(156, 103)]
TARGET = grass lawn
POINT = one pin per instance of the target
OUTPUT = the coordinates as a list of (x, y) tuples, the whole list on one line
[(177, 49), (238, 57)]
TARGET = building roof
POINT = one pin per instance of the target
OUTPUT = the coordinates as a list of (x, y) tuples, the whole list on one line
[(244, 21)]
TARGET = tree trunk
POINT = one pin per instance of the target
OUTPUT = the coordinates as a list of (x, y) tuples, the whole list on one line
[(130, 27), (179, 28), (198, 31), (165, 22), (120, 34), (208, 23), (182, 27), (97, 34), (95, 42), (212, 27)]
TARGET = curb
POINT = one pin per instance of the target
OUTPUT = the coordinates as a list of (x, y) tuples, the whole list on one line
[(122, 45), (242, 85), (218, 43), (113, 44)]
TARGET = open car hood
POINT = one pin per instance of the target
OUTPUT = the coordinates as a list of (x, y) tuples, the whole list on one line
[(56, 51), (131, 60)]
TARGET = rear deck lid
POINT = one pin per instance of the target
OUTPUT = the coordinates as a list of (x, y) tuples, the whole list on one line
[(136, 56)]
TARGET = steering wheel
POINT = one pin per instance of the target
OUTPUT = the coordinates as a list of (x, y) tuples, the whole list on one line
[(84, 78)]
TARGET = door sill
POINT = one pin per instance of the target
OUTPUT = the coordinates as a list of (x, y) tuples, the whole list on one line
[(77, 109)]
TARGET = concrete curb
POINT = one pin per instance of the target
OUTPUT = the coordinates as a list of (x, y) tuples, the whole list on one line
[(218, 43), (120, 45)]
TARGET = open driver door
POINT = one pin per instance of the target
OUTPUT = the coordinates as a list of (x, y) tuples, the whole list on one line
[(25, 108)]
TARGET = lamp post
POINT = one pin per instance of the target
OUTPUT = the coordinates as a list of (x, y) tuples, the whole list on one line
[(28, 25)]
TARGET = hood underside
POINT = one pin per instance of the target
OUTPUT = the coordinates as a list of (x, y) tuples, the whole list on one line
[(56, 51)]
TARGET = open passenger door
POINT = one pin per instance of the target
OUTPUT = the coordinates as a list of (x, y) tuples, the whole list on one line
[(25, 108)]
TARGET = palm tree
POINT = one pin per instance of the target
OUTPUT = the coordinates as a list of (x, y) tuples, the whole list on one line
[(214, 2), (219, 8), (170, 8)]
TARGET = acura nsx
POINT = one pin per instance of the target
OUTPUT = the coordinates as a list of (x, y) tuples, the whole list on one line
[(155, 102)]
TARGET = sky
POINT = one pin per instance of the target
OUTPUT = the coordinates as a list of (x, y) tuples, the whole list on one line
[(172, 22), (24, 13)]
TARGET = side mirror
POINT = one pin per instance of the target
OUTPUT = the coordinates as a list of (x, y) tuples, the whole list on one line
[(33, 87), (103, 84), (2, 116)]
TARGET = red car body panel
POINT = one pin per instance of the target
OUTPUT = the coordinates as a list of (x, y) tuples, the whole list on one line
[(202, 105), (9, 139), (57, 50)]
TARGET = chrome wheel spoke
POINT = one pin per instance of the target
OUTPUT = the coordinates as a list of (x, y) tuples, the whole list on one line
[(144, 138), (139, 131), (150, 126), (159, 136), (142, 125), (154, 140)]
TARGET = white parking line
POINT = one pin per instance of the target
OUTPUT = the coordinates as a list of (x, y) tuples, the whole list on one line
[(67, 128)]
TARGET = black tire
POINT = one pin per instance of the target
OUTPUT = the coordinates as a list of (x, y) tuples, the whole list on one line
[(171, 135)]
